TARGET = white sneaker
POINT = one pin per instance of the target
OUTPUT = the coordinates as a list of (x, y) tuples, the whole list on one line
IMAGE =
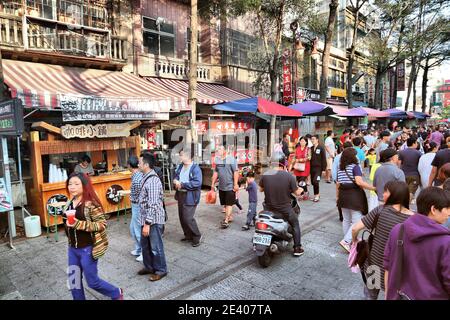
[(134, 253), (140, 258)]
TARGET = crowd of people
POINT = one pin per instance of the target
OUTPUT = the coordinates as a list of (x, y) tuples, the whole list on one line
[(391, 165)]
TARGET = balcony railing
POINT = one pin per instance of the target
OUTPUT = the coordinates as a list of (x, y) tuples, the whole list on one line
[(67, 42), (172, 68), (11, 32)]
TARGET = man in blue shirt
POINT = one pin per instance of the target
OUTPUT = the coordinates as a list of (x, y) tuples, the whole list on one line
[(357, 142)]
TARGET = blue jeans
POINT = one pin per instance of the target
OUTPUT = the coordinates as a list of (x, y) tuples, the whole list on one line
[(251, 212), (153, 250), (135, 227), (81, 263)]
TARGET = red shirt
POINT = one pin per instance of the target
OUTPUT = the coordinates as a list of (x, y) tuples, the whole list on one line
[(343, 137)]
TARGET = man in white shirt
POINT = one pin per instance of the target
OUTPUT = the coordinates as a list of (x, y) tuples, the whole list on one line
[(330, 148)]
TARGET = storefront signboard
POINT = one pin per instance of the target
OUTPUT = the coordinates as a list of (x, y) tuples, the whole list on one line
[(11, 118), (71, 116), (109, 130)]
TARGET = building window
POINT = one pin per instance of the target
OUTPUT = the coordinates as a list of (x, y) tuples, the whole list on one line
[(40, 8), (159, 38), (240, 47), (336, 79), (188, 42)]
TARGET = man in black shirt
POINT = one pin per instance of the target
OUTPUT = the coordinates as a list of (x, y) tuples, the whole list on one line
[(278, 185)]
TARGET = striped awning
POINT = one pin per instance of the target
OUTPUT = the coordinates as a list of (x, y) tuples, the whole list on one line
[(207, 93), (58, 87)]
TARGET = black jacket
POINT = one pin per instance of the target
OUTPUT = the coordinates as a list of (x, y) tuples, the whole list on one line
[(318, 158)]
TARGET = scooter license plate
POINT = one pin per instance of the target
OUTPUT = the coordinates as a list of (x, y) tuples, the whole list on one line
[(262, 239)]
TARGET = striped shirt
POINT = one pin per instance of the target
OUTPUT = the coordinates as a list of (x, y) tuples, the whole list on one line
[(388, 217), (349, 174), (151, 200), (136, 180)]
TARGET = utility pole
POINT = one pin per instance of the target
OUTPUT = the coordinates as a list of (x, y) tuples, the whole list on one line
[(192, 95)]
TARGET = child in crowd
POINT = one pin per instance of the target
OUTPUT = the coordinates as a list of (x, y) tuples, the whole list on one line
[(372, 157), (252, 190)]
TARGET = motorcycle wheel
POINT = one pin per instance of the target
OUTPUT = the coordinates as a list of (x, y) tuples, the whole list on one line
[(265, 260)]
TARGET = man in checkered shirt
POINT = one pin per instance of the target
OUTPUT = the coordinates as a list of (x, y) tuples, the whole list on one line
[(152, 220)]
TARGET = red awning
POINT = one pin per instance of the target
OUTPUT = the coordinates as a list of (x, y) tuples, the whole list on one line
[(207, 93), (46, 86)]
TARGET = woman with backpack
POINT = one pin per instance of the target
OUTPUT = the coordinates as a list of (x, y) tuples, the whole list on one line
[(383, 218), (352, 199)]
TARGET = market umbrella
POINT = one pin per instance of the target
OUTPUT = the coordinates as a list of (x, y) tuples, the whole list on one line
[(255, 105), (376, 113), (421, 115), (399, 114), (345, 112), (312, 108)]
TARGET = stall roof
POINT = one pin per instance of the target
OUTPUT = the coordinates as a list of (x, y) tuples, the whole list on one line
[(359, 104), (345, 112), (312, 108), (207, 93), (376, 113), (421, 115), (256, 104), (399, 114), (46, 86)]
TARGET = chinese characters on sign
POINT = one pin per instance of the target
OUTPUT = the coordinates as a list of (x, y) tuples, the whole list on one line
[(95, 131), (11, 117), (84, 108), (287, 78), (386, 96), (401, 76), (201, 126), (230, 126), (371, 90)]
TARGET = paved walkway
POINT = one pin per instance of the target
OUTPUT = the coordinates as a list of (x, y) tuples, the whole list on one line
[(223, 267)]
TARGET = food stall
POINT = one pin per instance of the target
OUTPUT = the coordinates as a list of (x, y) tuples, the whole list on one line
[(109, 146)]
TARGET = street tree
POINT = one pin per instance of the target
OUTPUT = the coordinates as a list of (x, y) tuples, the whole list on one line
[(383, 50), (326, 50)]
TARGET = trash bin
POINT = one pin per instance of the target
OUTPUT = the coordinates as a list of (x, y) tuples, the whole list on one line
[(32, 226)]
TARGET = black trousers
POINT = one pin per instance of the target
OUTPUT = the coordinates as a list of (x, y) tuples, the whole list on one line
[(238, 204), (315, 172), (302, 182), (292, 219), (186, 214)]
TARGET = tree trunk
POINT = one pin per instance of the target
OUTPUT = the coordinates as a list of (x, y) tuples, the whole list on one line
[(326, 51), (400, 39), (424, 86), (274, 88), (414, 91), (410, 81), (378, 89), (351, 59)]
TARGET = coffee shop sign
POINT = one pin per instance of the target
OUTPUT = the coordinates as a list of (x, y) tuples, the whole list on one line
[(95, 131)]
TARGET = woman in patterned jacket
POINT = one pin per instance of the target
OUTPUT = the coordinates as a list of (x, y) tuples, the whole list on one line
[(87, 239)]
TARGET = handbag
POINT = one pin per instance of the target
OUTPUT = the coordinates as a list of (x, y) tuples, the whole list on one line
[(364, 246), (363, 194), (300, 166)]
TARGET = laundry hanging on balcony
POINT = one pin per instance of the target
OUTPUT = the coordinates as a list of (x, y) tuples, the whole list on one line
[(89, 94)]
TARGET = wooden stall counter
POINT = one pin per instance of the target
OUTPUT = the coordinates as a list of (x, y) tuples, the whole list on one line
[(106, 186)]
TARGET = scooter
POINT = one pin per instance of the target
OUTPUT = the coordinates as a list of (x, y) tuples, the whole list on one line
[(273, 234)]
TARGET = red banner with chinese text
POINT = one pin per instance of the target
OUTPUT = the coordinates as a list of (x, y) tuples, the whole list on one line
[(287, 77)]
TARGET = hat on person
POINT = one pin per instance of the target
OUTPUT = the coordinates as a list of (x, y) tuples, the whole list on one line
[(387, 154)]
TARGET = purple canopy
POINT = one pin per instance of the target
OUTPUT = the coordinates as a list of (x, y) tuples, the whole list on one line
[(312, 108), (357, 112)]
